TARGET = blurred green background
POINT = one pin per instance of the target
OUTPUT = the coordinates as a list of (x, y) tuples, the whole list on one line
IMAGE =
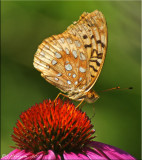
[(26, 24)]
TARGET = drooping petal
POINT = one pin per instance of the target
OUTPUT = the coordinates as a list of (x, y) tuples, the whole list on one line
[(110, 151), (17, 154), (50, 156), (39, 155), (71, 156), (21, 155), (93, 155), (10, 155), (82, 156), (58, 157)]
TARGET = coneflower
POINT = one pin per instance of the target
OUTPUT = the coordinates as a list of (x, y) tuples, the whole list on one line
[(55, 130)]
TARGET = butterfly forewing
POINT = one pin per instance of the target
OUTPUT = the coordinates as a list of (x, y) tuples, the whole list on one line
[(72, 61), (98, 36)]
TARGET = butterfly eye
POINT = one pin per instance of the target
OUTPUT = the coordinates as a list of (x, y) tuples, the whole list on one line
[(92, 95)]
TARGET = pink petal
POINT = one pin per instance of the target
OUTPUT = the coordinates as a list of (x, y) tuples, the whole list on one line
[(110, 151), (50, 156), (58, 157), (38, 156), (71, 156), (93, 155), (11, 154), (82, 156), (22, 154), (19, 154)]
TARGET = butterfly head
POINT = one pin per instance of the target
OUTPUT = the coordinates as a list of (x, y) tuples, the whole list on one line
[(91, 96)]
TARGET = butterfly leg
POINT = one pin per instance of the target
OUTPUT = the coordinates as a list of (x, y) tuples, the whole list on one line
[(80, 103), (93, 112), (59, 95)]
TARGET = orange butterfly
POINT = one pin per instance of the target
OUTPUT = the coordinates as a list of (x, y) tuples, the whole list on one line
[(72, 61)]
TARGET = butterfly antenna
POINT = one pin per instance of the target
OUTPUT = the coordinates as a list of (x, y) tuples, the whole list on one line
[(116, 88)]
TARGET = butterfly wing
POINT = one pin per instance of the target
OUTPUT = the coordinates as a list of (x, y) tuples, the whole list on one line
[(92, 31), (57, 60), (72, 61)]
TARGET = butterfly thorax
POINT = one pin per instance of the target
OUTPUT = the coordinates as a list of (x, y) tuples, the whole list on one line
[(90, 96)]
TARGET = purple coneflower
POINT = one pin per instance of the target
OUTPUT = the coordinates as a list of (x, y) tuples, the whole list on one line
[(57, 130)]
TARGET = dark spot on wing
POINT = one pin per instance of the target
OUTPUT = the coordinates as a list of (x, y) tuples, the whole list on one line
[(95, 70), (85, 36), (98, 64), (99, 41), (88, 45), (92, 36)]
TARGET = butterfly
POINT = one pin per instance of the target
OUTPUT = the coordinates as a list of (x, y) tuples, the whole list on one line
[(72, 61)]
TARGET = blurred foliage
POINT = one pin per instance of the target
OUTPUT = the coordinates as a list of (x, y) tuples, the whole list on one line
[(26, 24)]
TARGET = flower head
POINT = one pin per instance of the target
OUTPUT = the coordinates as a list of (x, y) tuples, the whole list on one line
[(55, 130), (53, 126)]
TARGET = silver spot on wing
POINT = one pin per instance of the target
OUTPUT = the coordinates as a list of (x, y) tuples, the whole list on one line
[(68, 67), (54, 62), (82, 69)]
